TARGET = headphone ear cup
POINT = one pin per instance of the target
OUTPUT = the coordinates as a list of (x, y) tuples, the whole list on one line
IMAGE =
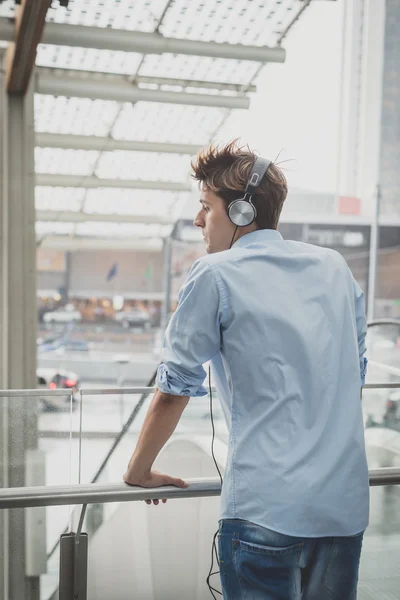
[(241, 213)]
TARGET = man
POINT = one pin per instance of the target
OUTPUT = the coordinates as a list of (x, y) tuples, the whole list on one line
[(283, 325)]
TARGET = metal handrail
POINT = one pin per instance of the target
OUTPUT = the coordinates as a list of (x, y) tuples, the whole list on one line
[(120, 492), (376, 322), (381, 386), (93, 493), (35, 393), (138, 390)]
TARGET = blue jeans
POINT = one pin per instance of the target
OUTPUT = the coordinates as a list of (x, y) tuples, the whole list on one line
[(257, 563)]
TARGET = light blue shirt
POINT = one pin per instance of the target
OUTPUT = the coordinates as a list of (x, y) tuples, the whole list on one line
[(283, 324)]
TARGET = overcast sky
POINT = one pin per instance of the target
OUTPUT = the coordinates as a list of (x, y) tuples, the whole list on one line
[(296, 107)]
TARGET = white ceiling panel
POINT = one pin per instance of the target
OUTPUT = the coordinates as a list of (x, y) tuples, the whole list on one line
[(250, 22), (110, 201), (143, 121), (122, 230), (147, 166), (74, 115), (132, 202), (59, 199), (88, 59), (66, 162), (172, 123), (54, 228), (119, 164), (139, 15), (200, 68)]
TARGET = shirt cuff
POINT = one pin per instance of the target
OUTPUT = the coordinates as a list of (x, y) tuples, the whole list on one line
[(363, 369), (172, 383)]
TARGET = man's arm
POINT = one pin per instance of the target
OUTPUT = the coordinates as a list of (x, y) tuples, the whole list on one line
[(161, 420), (192, 338)]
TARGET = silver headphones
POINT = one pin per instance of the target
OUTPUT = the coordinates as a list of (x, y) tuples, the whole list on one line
[(242, 211)]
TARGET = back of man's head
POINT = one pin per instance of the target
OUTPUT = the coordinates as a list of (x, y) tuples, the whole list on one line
[(225, 170)]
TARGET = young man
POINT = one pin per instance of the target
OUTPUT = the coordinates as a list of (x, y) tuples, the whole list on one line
[(283, 324)]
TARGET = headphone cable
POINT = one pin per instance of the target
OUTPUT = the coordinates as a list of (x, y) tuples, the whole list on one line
[(233, 237), (214, 545)]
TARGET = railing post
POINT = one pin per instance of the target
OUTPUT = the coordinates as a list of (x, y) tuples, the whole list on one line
[(73, 563)]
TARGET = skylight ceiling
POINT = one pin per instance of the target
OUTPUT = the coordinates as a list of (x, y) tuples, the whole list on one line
[(146, 166), (110, 202), (246, 22), (143, 121)]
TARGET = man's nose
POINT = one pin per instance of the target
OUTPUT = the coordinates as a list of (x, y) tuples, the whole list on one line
[(199, 221)]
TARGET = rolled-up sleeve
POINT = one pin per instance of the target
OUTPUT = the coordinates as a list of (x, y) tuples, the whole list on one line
[(193, 334), (361, 329)]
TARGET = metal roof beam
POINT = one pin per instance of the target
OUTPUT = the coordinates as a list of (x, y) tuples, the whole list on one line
[(21, 53), (66, 242), (147, 43), (195, 83), (90, 182), (124, 91), (144, 80), (81, 217), (104, 144)]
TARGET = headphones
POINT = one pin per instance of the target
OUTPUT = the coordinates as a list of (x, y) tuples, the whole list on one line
[(242, 211)]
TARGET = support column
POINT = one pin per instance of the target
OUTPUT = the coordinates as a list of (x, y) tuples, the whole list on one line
[(18, 418)]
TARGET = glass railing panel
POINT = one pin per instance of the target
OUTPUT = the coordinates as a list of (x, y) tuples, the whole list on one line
[(43, 429), (154, 552), (104, 416), (381, 413), (383, 343), (159, 552), (40, 426), (379, 570), (163, 552)]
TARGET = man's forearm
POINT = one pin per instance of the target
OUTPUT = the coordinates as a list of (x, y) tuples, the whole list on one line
[(160, 422)]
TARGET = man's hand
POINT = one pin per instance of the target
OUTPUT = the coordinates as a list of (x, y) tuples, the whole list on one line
[(153, 479)]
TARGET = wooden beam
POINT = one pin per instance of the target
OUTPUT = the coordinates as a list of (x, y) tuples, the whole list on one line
[(21, 54)]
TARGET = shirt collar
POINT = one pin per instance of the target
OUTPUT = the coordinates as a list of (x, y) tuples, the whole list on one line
[(259, 236)]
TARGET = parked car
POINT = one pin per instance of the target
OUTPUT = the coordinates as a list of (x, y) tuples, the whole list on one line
[(133, 318), (60, 345), (66, 314), (51, 379)]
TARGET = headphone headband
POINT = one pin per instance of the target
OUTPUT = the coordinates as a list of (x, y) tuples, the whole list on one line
[(242, 211), (258, 171)]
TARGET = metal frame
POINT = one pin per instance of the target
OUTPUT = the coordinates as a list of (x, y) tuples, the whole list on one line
[(65, 242), (90, 181), (140, 390), (145, 43), (107, 144), (376, 322), (193, 83), (83, 217), (99, 493), (146, 80), (34, 393), (123, 91)]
